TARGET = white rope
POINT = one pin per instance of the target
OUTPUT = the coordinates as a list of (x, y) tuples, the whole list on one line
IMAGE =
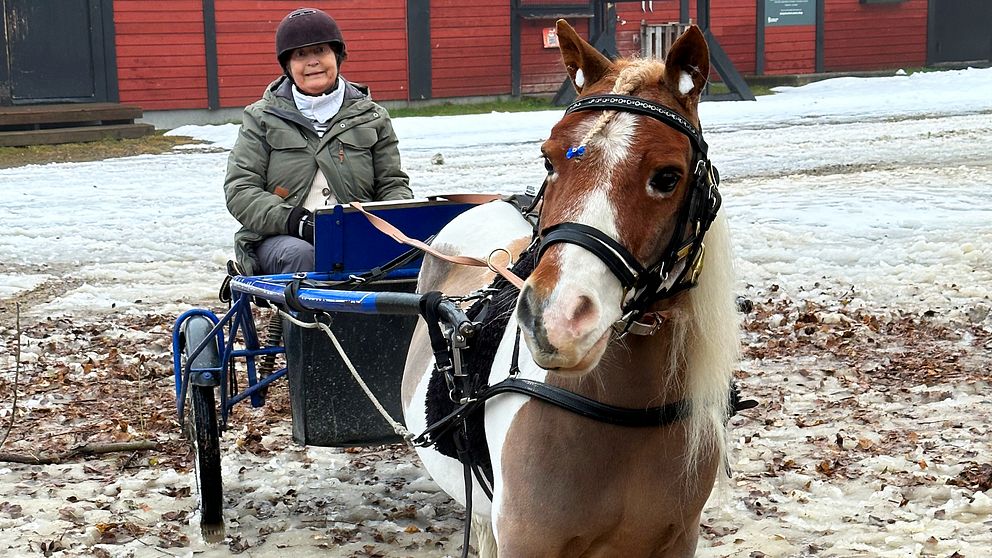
[(398, 428)]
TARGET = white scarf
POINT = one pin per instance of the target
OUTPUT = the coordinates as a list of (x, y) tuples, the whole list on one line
[(322, 108)]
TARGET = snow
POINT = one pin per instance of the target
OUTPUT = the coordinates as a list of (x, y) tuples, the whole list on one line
[(873, 191), (13, 284), (155, 228)]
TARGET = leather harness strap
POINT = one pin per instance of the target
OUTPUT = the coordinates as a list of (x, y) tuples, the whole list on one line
[(683, 256), (590, 408), (637, 105), (396, 234)]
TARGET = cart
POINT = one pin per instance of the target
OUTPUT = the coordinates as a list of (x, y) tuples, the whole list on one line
[(364, 278)]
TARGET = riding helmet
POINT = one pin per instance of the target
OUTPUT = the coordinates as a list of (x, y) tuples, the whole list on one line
[(305, 27)]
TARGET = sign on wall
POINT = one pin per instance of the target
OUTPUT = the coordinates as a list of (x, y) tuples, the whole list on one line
[(790, 12), (550, 37)]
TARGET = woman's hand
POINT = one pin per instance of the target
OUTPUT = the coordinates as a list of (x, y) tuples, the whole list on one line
[(300, 224)]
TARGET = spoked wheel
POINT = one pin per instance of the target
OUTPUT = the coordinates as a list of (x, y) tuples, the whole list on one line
[(200, 428)]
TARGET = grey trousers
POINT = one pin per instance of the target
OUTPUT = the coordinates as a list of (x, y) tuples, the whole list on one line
[(284, 254)]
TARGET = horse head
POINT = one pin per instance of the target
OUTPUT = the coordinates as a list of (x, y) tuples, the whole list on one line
[(628, 196)]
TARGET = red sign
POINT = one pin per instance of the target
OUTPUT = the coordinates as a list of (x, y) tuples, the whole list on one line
[(550, 37)]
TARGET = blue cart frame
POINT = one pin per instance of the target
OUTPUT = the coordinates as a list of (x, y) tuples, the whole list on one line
[(204, 344)]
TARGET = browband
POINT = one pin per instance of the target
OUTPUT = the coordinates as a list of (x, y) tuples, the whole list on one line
[(638, 105)]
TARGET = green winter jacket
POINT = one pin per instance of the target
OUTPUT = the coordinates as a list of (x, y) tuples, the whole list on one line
[(278, 153)]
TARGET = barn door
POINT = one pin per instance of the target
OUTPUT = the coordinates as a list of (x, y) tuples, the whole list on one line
[(958, 31), (55, 51)]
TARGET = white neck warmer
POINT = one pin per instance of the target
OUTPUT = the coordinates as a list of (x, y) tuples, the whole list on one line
[(321, 108)]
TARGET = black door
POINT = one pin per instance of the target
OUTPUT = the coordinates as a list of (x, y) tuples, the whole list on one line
[(56, 51), (959, 31)]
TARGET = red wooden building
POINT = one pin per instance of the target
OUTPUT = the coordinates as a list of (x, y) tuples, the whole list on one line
[(218, 54)]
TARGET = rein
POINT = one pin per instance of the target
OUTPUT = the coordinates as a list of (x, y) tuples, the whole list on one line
[(396, 234)]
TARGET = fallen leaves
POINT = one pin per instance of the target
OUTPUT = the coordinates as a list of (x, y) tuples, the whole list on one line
[(11, 511), (119, 532), (864, 408), (976, 477)]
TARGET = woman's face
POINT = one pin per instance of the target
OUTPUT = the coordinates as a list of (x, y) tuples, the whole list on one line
[(314, 68)]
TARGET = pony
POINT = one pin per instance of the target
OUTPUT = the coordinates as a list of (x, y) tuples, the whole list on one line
[(618, 310)]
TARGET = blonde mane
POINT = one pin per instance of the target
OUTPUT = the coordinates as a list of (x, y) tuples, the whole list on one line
[(706, 342)]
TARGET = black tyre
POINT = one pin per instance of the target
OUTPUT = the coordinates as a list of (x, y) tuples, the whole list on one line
[(202, 432)]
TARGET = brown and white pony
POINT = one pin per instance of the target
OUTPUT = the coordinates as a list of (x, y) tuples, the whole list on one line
[(566, 485)]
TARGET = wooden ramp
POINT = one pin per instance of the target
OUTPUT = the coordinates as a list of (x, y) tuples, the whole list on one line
[(69, 123)]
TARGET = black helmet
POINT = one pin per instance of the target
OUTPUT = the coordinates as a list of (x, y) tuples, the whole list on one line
[(305, 27)]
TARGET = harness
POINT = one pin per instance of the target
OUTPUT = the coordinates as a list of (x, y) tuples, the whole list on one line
[(457, 428)]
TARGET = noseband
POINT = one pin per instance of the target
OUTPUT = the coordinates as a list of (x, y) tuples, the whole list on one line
[(645, 286)]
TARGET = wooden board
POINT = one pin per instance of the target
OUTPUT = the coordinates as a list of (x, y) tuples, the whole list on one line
[(72, 135), (29, 115)]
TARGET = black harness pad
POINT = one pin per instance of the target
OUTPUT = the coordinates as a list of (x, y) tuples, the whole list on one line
[(493, 315)]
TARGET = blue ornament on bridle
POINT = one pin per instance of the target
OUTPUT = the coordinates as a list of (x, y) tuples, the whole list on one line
[(575, 152)]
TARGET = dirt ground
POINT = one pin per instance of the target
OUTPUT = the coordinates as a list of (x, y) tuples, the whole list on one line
[(850, 386)]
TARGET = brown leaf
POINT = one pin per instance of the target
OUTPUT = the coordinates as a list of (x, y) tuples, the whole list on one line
[(13, 511), (976, 477), (71, 515)]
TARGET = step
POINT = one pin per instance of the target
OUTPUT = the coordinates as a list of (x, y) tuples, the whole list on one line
[(28, 116), (20, 138)]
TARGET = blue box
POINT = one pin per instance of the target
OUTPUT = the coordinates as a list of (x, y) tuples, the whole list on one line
[(346, 243)]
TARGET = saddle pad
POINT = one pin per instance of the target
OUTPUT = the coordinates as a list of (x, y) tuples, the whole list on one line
[(494, 315)]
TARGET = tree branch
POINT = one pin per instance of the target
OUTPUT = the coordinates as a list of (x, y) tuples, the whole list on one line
[(17, 373), (86, 449)]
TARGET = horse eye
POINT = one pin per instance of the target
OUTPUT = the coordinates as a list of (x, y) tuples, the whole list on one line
[(664, 181), (548, 166)]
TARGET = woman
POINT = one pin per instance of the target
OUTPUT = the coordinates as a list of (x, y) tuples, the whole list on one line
[(311, 141)]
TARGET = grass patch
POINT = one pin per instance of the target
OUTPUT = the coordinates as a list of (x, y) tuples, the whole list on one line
[(154, 144), (457, 109), (719, 88)]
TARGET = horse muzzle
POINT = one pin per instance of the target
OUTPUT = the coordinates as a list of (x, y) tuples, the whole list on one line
[(564, 331)]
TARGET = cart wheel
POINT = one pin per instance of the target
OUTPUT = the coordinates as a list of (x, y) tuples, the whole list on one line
[(201, 430)]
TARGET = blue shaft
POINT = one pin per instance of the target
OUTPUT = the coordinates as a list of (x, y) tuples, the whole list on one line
[(328, 300)]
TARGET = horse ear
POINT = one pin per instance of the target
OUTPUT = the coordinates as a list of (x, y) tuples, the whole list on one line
[(585, 64), (687, 65)]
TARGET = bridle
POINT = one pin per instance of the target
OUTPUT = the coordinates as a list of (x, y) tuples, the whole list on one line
[(644, 286)]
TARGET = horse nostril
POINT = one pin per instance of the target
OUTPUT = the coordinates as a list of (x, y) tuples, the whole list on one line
[(529, 318), (525, 308), (584, 313)]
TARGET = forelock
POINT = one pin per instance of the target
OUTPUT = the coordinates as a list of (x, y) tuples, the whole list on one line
[(632, 75)]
